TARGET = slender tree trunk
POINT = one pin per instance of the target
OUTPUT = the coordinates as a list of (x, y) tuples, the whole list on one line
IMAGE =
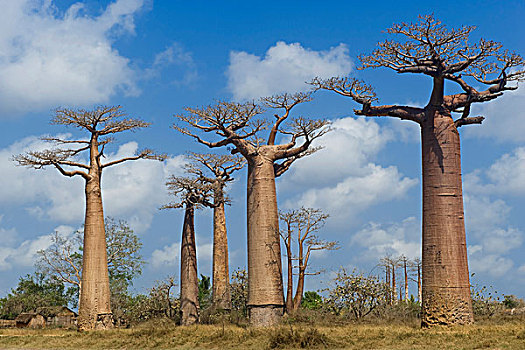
[(221, 275), (446, 287), (419, 298), (79, 293), (394, 286), (189, 280), (406, 281), (95, 310), (265, 285), (387, 281), (299, 291), (289, 287)]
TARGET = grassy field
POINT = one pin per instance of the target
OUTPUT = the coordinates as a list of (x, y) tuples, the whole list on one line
[(505, 335)]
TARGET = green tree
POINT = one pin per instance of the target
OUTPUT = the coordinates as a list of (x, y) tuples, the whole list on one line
[(239, 291), (312, 300), (356, 293), (34, 291), (204, 291), (62, 260)]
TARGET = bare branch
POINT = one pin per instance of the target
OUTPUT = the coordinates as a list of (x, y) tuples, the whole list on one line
[(365, 95), (286, 102), (144, 154)]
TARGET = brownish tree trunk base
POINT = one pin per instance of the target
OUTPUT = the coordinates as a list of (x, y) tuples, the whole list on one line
[(446, 307), (104, 321), (265, 316)]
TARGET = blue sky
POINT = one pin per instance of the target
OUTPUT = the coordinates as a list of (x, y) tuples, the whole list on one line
[(156, 57)]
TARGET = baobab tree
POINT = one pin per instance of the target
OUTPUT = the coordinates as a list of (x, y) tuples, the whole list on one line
[(391, 264), (99, 124), (63, 258), (403, 262), (303, 223), (192, 193), (445, 55), (415, 265), (239, 125), (221, 167)]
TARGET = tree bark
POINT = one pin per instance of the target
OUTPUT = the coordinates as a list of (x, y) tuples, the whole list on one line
[(394, 286), (406, 280), (289, 287), (221, 276), (94, 310), (189, 280), (299, 291), (419, 295), (446, 286), (265, 287)]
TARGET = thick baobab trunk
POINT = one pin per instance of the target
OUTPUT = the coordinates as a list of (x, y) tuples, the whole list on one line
[(189, 280), (265, 286), (221, 275), (446, 286), (95, 310)]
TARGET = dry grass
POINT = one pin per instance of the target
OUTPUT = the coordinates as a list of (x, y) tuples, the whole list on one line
[(507, 335)]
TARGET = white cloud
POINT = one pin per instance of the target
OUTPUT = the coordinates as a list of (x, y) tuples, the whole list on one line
[(487, 218), (354, 194), (341, 178), (395, 239), (346, 150), (132, 190), (491, 264), (25, 254), (504, 118), (47, 59), (284, 68), (506, 176), (174, 57), (169, 255)]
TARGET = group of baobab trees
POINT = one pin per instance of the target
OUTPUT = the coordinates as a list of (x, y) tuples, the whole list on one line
[(425, 47)]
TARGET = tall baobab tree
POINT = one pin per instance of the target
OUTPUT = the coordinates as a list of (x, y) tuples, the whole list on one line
[(302, 223), (445, 55), (239, 125), (192, 193), (221, 167), (63, 258), (99, 124)]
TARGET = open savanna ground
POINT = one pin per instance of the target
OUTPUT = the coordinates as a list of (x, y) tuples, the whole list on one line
[(509, 334)]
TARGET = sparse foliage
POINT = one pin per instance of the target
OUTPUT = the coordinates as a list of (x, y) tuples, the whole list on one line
[(356, 294), (240, 125), (304, 224)]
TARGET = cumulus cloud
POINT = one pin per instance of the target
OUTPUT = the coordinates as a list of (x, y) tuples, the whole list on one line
[(394, 239), (284, 68), (176, 62), (505, 118), (486, 225), (25, 254), (169, 255), (354, 194), (132, 190), (49, 59), (342, 178)]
